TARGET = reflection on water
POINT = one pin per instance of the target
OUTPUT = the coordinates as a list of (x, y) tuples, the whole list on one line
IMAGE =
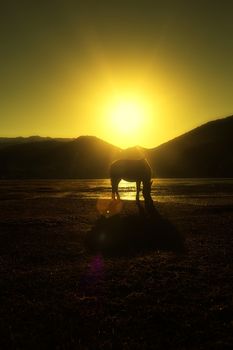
[(193, 191)]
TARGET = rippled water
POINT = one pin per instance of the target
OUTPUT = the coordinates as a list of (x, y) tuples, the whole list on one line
[(193, 191)]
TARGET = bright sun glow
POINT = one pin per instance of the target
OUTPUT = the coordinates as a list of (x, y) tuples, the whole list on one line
[(127, 119)]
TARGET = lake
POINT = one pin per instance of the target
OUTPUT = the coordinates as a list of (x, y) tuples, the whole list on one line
[(190, 191)]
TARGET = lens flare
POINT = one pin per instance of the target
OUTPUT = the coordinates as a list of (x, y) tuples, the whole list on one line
[(108, 208)]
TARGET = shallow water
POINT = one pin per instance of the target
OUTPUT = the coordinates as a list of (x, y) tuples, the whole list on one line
[(190, 191)]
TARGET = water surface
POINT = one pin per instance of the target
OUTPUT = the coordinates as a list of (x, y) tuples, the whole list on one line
[(192, 191)]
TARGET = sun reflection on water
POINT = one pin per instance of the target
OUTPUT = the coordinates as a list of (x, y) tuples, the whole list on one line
[(127, 190)]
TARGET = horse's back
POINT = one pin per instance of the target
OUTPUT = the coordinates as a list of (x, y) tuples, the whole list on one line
[(130, 170)]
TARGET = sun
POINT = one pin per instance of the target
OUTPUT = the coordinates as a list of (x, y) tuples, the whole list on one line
[(127, 119)]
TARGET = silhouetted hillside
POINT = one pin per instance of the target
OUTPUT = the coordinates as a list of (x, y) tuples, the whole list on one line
[(203, 152), (84, 157), (9, 141), (136, 152), (206, 151)]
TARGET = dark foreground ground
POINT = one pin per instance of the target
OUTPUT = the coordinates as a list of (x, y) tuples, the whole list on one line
[(71, 280)]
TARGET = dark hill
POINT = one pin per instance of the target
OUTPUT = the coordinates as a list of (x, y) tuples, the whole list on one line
[(84, 157), (203, 152), (206, 151), (9, 141)]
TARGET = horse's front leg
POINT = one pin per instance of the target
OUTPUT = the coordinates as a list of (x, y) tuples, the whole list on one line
[(115, 183), (113, 188), (138, 190)]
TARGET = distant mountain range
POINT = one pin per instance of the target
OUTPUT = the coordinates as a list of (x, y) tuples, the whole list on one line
[(206, 151), (7, 141), (84, 157)]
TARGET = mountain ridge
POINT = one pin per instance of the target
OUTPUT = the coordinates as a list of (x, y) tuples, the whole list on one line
[(205, 151), (201, 152)]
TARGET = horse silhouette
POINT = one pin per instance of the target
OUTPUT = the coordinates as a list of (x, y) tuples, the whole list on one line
[(133, 171)]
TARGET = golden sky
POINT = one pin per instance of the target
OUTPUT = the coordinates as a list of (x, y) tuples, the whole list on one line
[(129, 72)]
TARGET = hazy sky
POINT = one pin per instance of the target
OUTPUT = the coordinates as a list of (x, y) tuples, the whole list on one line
[(65, 66)]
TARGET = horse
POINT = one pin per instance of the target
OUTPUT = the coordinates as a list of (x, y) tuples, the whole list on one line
[(133, 171)]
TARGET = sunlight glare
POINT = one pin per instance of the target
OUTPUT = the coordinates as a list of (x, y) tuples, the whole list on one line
[(127, 118)]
